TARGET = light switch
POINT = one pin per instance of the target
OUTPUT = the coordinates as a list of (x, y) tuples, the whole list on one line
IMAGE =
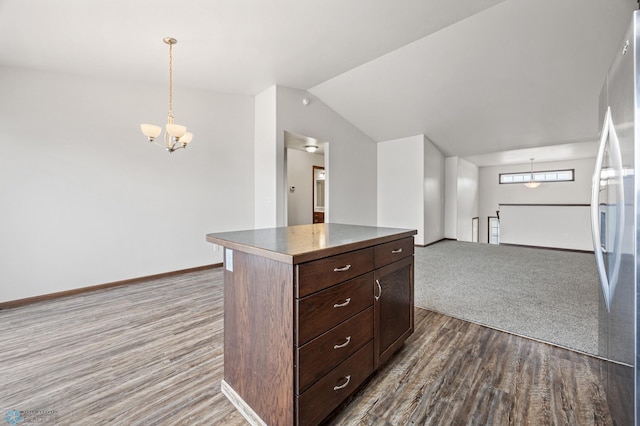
[(228, 260)]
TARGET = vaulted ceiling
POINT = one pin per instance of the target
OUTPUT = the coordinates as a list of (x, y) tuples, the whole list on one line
[(475, 76)]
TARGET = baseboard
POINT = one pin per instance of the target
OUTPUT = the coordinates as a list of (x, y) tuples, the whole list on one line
[(436, 242), (547, 248), (247, 412), (76, 291), (433, 242)]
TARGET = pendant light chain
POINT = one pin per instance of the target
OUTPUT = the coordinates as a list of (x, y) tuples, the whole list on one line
[(170, 82), (531, 177)]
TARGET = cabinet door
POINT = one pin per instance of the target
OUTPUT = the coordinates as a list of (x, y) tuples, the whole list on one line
[(393, 308)]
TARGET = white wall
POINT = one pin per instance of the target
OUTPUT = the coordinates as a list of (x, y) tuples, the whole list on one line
[(467, 198), (492, 193), (300, 175), (350, 157), (87, 200), (411, 187), (400, 184), (557, 226), (451, 198), (461, 198), (434, 181), (265, 160)]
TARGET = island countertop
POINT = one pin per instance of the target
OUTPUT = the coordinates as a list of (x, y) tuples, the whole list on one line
[(303, 243)]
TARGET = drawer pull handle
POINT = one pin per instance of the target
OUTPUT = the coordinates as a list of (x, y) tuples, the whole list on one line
[(379, 290), (397, 251), (345, 303), (342, 345), (335, 388), (344, 268)]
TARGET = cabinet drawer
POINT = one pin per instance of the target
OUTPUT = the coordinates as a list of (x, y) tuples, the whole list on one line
[(317, 402), (387, 253), (324, 310), (323, 273), (323, 353)]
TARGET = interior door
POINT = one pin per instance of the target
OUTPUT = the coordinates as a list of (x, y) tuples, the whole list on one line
[(475, 230)]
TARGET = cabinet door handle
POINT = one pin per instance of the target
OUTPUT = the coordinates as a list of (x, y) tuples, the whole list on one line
[(345, 303), (342, 345), (335, 388), (344, 268), (379, 291), (397, 251)]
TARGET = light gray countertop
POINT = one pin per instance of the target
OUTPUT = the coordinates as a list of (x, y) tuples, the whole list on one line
[(303, 243)]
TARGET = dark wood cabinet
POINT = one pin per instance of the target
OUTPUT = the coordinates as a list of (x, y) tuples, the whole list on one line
[(336, 313), (310, 312), (393, 308), (318, 217)]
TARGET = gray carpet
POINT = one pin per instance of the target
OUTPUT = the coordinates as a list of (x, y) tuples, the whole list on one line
[(548, 295)]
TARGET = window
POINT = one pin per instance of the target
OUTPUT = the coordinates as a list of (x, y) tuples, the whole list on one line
[(545, 176)]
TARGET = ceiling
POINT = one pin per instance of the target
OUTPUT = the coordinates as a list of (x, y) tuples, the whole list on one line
[(522, 74), (299, 142), (475, 76)]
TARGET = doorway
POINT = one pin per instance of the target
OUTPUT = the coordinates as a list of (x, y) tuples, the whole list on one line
[(317, 187), (494, 230), (475, 229), (306, 178)]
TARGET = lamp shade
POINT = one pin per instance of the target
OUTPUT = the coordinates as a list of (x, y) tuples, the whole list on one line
[(186, 138), (150, 131), (311, 148), (176, 130)]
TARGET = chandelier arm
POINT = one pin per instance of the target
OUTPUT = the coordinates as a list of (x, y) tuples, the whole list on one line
[(173, 148), (171, 144)]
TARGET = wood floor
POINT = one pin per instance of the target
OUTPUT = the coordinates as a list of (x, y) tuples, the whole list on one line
[(151, 353)]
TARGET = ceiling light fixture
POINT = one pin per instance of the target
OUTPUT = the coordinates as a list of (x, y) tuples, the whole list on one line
[(532, 183), (175, 135), (311, 148)]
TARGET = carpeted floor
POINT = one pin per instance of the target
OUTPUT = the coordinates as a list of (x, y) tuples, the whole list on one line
[(548, 295)]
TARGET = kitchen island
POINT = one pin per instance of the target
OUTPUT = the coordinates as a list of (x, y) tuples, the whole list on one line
[(310, 312)]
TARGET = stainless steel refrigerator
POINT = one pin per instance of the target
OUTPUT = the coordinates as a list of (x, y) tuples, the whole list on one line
[(615, 216)]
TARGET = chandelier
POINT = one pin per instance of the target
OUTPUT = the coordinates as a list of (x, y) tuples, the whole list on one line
[(175, 135), (532, 183)]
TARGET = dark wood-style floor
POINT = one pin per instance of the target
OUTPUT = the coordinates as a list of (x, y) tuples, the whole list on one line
[(151, 353)]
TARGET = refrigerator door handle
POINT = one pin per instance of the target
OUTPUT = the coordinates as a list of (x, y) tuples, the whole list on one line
[(595, 211), (618, 177), (608, 283)]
